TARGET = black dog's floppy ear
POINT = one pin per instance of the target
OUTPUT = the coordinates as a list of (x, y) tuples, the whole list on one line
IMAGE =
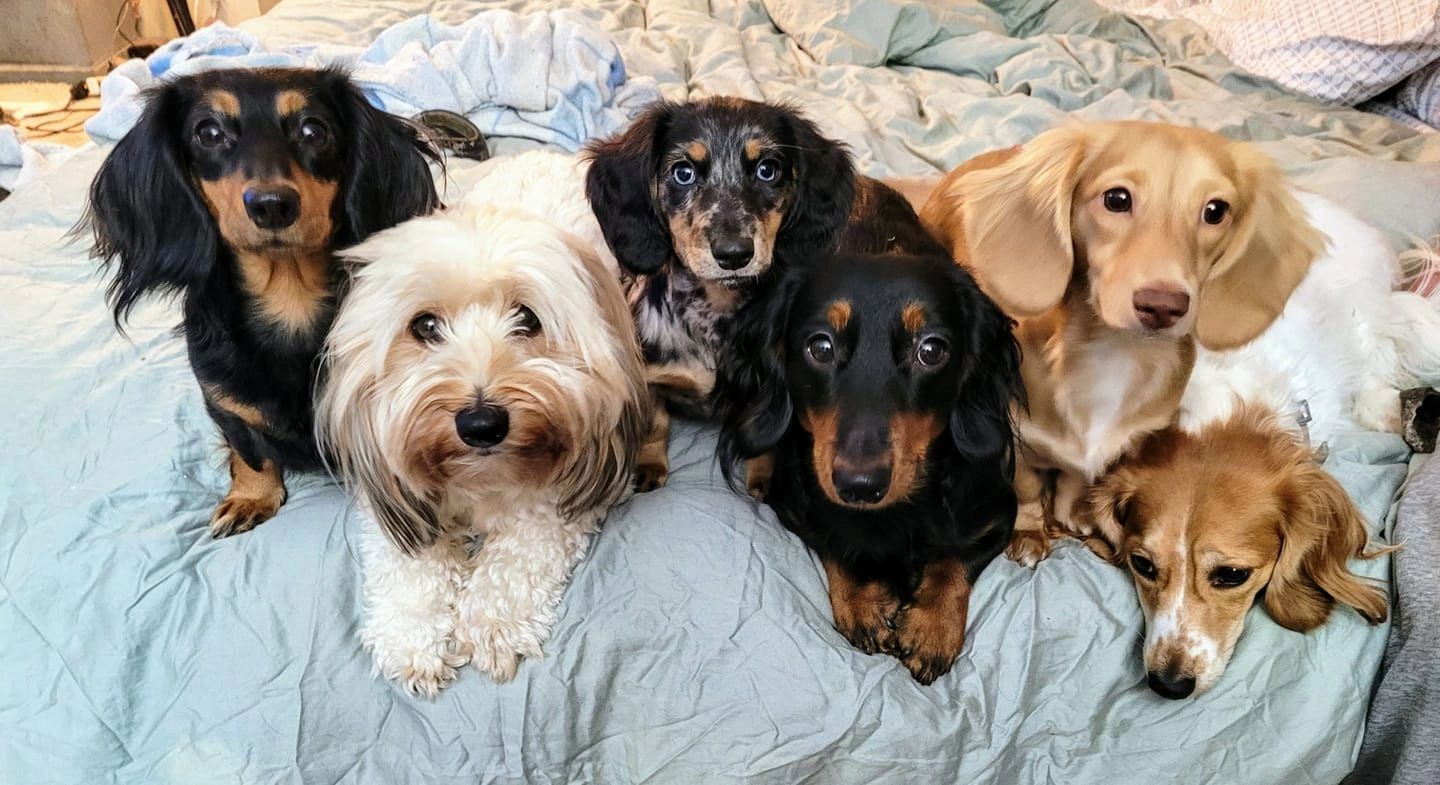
[(389, 180), (751, 375), (621, 188), (825, 183), (149, 224), (980, 421)]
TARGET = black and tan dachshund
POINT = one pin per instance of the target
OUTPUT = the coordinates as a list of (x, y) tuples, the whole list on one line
[(234, 191), (881, 382)]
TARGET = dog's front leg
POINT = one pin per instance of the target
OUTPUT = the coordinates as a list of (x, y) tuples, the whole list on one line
[(864, 611), (510, 603), (410, 610), (1031, 543), (652, 465)]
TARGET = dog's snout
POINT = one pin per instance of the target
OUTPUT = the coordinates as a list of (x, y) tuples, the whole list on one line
[(272, 208), (732, 253), (483, 426), (1170, 683), (861, 484), (1159, 307)]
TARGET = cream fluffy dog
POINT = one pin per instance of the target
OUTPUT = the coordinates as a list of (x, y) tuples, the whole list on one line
[(485, 397)]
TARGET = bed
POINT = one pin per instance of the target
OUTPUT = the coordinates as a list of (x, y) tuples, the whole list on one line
[(695, 642)]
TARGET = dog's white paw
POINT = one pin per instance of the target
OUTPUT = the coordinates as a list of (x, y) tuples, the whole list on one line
[(423, 665), (1378, 408), (497, 645)]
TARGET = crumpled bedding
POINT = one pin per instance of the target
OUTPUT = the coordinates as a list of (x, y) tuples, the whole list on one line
[(695, 643), (552, 77)]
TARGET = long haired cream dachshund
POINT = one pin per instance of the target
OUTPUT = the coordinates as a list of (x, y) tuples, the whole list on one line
[(1117, 246)]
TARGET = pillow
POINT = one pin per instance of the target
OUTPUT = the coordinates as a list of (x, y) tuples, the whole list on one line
[(1343, 51)]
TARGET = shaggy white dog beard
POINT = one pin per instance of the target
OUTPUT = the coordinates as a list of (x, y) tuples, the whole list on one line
[(483, 384)]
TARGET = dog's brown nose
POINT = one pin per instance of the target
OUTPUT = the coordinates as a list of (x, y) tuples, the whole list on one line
[(1158, 307)]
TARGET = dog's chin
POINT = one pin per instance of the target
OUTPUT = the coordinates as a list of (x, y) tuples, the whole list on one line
[(712, 274)]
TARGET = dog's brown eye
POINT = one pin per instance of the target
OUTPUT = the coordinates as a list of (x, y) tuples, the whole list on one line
[(932, 352), (1228, 577), (821, 349), (209, 134), (767, 170), (1117, 200), (1215, 211), (314, 132), (1143, 567), (683, 174), (426, 328), (526, 322)]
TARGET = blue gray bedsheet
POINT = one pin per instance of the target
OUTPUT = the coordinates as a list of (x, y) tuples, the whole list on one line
[(695, 643)]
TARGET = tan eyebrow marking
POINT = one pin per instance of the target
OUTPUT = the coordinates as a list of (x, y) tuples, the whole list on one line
[(913, 317), (289, 102), (753, 148), (697, 151), (838, 314), (224, 102)]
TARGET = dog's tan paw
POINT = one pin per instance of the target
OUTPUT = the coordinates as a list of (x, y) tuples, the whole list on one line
[(867, 618), (240, 514), (1028, 548), (758, 472), (928, 641), (651, 476), (254, 497)]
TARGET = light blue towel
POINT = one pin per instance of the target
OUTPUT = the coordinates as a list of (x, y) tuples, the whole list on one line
[(22, 161), (553, 77)]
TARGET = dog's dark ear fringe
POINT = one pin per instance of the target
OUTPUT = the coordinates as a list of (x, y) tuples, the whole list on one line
[(825, 182), (980, 422), (411, 523), (148, 224), (390, 178), (751, 381), (618, 185)]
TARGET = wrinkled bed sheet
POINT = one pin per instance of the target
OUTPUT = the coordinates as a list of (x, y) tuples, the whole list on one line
[(695, 643)]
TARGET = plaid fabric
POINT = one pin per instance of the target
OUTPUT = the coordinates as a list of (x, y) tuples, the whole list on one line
[(1344, 51)]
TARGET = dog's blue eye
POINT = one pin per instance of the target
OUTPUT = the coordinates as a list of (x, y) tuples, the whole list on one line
[(1228, 577), (426, 328), (683, 174), (821, 349), (932, 352), (209, 134), (1143, 566), (1117, 200), (767, 170), (1215, 211)]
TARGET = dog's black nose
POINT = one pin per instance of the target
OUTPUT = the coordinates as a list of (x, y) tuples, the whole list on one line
[(733, 253), (1168, 684), (273, 208), (861, 486), (483, 426)]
